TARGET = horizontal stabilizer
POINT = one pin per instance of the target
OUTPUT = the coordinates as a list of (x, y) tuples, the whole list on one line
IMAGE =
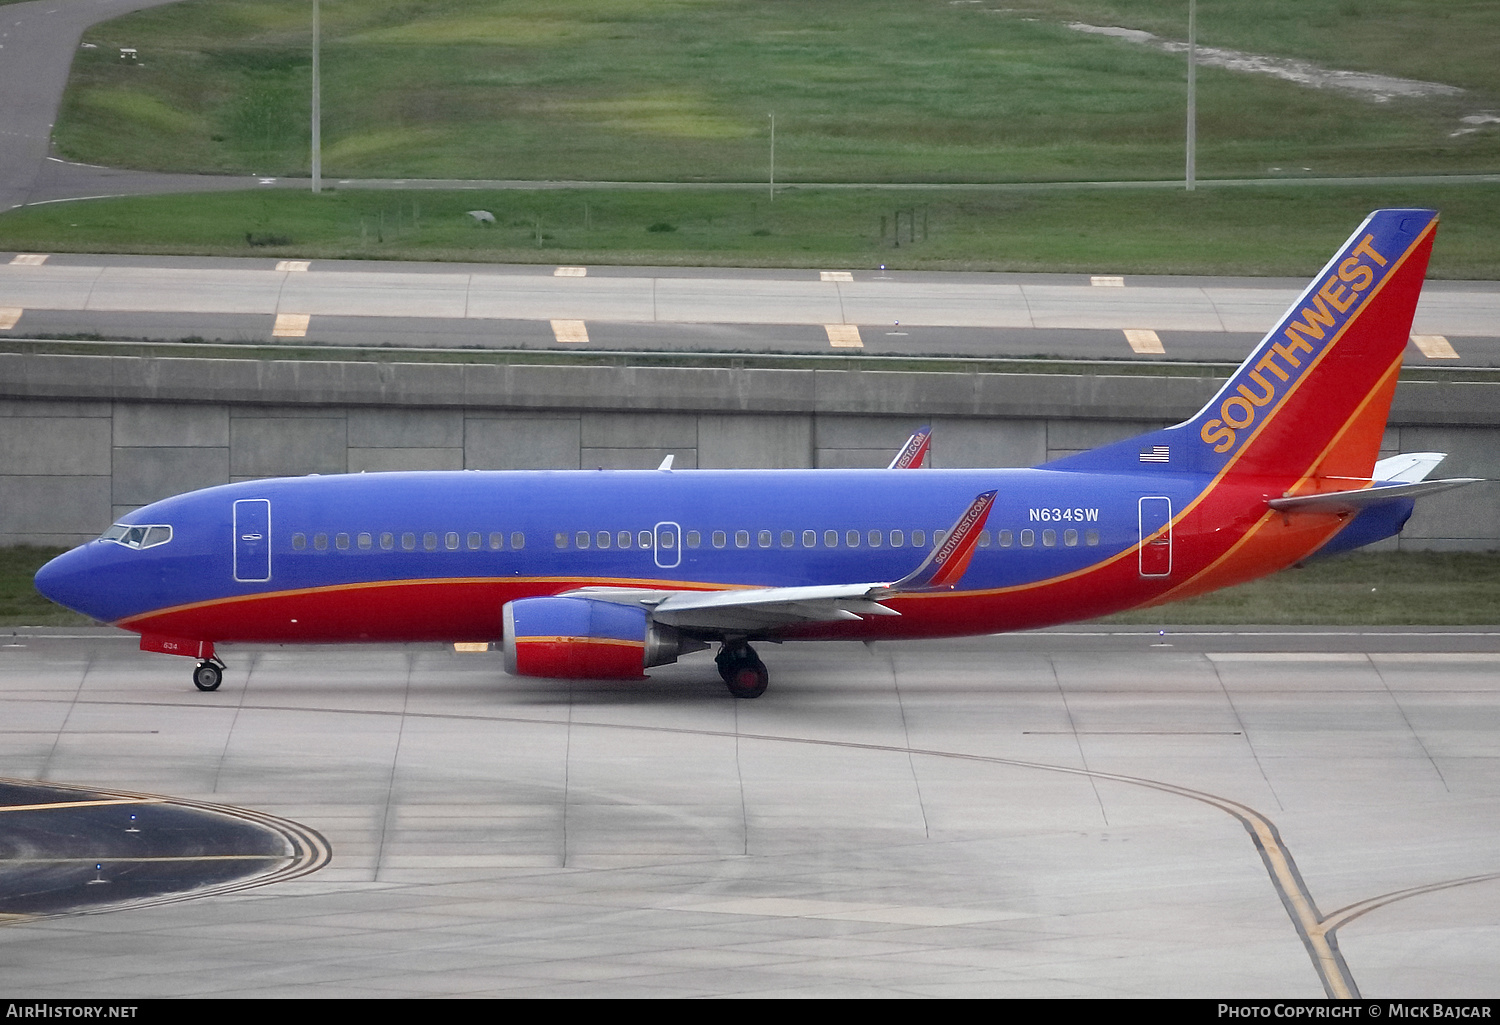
[(1351, 501)]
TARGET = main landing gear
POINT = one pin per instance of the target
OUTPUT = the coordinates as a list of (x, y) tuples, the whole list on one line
[(209, 674), (743, 671)]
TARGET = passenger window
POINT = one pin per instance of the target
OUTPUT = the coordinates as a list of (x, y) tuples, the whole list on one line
[(1092, 537), (1028, 538), (938, 537), (560, 539), (830, 539), (622, 539), (742, 539), (643, 540), (582, 537), (984, 538), (809, 539), (1049, 538), (299, 541), (1070, 537), (898, 539), (409, 541), (497, 540), (694, 539), (450, 540), (852, 539), (387, 541), (668, 539), (788, 538), (1005, 538), (429, 541), (475, 541), (919, 539), (720, 539), (320, 542), (763, 539), (874, 538), (365, 541), (518, 540), (341, 542), (602, 539)]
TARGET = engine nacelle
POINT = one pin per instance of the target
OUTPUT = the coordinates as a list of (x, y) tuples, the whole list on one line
[(581, 638)]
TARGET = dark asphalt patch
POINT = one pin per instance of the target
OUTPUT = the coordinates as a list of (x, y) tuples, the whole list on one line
[(65, 850)]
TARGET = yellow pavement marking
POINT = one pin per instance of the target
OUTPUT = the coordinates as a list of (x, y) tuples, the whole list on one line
[(835, 275), (570, 331), (292, 264), (291, 325), (1434, 346), (844, 336), (28, 259), (1144, 341), (571, 272), (102, 802), (471, 646), (1107, 280), (8, 316)]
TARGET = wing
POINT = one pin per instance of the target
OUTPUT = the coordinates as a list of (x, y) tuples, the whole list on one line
[(763, 608)]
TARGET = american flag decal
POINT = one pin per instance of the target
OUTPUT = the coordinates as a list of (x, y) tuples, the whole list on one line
[(1155, 454)]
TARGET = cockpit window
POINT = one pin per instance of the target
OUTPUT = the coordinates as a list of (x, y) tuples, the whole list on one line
[(138, 535)]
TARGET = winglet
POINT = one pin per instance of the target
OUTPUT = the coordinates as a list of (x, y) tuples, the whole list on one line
[(914, 451), (945, 566)]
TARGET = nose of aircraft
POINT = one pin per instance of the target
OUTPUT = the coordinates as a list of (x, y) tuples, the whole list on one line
[(69, 581)]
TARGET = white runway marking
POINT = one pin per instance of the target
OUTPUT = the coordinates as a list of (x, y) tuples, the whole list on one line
[(570, 331), (1434, 346), (844, 336), (1144, 341), (291, 325)]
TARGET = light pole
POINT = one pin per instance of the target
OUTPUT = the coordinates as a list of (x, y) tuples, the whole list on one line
[(317, 109), (1192, 111), (772, 116)]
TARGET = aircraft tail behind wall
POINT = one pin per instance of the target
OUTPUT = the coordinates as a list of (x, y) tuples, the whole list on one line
[(1313, 397)]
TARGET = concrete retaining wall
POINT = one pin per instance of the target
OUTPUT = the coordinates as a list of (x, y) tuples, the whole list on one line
[(86, 438)]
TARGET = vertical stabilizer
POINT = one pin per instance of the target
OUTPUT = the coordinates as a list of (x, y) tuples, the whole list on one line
[(1312, 399)]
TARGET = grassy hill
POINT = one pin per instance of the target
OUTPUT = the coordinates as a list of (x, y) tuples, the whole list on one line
[(862, 90)]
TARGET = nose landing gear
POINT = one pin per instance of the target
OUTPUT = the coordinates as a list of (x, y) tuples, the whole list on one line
[(209, 674), (742, 670)]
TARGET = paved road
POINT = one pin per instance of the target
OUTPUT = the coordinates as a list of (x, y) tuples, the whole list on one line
[(616, 308), (1054, 814)]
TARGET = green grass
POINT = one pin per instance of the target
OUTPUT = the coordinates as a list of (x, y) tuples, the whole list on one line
[(20, 604), (1264, 230), (862, 90), (1359, 589)]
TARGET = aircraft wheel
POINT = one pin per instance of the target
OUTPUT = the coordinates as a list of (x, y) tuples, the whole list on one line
[(749, 681), (742, 671), (207, 676)]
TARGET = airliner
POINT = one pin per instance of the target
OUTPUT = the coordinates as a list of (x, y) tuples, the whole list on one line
[(605, 574)]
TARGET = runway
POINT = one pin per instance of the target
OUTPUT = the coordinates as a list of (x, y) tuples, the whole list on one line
[(416, 305), (1080, 812)]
